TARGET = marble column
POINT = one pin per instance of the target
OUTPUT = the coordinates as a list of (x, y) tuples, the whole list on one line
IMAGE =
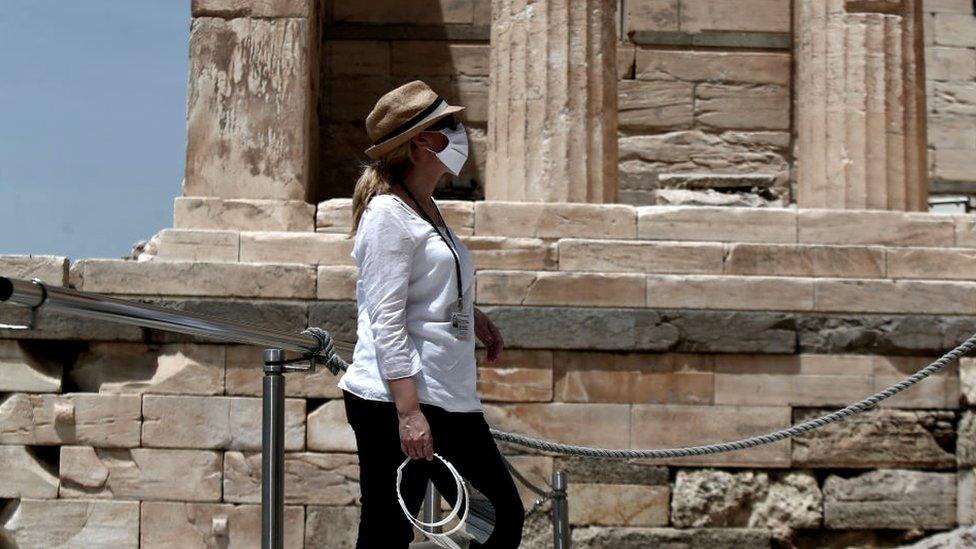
[(552, 120), (860, 105)]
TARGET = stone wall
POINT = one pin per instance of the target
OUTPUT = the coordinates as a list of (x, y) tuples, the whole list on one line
[(950, 47), (625, 327)]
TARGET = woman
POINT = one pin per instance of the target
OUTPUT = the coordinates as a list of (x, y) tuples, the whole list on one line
[(411, 388)]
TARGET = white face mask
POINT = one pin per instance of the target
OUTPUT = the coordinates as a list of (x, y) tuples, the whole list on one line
[(456, 151)]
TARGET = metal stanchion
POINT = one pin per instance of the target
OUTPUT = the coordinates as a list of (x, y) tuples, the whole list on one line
[(432, 505), (273, 451), (560, 511)]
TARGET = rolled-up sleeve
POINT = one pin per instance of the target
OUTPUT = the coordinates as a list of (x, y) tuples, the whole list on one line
[(384, 272)]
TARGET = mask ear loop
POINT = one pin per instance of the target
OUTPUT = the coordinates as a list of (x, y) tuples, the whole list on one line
[(442, 539)]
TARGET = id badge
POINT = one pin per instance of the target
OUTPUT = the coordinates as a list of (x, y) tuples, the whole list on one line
[(461, 324)]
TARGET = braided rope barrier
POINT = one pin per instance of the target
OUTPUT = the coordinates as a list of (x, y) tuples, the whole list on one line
[(333, 359)]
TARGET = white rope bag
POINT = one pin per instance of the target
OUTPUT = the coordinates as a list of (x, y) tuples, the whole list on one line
[(427, 528)]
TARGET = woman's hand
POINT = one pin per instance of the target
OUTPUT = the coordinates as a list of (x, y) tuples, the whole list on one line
[(415, 439), (488, 333)]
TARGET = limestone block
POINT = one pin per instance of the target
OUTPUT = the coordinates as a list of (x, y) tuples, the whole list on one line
[(50, 269), (291, 247), (716, 224), (24, 370), (214, 422), (595, 470), (618, 504), (242, 214), (878, 438), (743, 107), (891, 499), (23, 475), (735, 15), (967, 381), (333, 527), (181, 368), (947, 131), (651, 15), (730, 292), (805, 260), (554, 220), (559, 288), (394, 11), (966, 497), (596, 537), (633, 378), (244, 376), (421, 58), (882, 334), (792, 380), (329, 430), (500, 252), (322, 479), (861, 227), (894, 296), (356, 58), (337, 317), (71, 524), (945, 64), (334, 215), (778, 501), (603, 425), (951, 30), (247, 108), (206, 525), (713, 66), (537, 469), (194, 245), (250, 8), (640, 256), (140, 473), (949, 6), (285, 315), (79, 418), (956, 98), (191, 278), (655, 105), (953, 165), (626, 55), (940, 390), (336, 282), (516, 375), (669, 426)]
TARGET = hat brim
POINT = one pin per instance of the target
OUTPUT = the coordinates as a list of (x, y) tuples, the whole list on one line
[(377, 151)]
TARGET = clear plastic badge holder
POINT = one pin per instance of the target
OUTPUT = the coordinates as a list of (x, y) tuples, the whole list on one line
[(461, 324)]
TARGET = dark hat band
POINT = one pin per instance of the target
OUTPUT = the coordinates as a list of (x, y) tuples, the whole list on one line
[(412, 122)]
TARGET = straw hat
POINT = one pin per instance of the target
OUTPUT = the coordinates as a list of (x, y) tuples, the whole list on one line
[(402, 114)]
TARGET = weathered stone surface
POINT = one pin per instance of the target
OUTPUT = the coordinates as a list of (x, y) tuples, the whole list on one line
[(966, 439), (951, 30), (333, 527), (214, 422), (593, 470), (654, 426), (72, 524), (743, 107), (515, 376), (79, 418), (294, 247), (894, 296), (336, 282), (631, 377), (658, 15), (716, 224), (244, 376), (206, 525), (334, 215), (966, 496), (802, 260), (194, 212), (499, 252), (191, 278), (780, 502), (277, 314), (967, 381), (323, 479), (24, 370), (193, 245), (618, 504), (250, 8), (932, 263), (947, 64), (392, 11), (537, 469), (875, 227), (139, 368), (596, 537), (140, 473), (713, 66), (603, 425), (709, 197), (648, 257), (559, 288), (554, 220), (247, 108), (735, 15), (960, 537), (730, 292), (792, 380), (655, 105), (891, 499), (877, 438), (23, 475), (336, 317), (882, 334), (329, 430), (940, 390), (53, 325), (50, 269)]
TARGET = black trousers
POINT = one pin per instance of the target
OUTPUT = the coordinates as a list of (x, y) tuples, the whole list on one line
[(462, 438)]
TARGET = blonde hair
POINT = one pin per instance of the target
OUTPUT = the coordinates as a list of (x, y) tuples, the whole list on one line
[(377, 178)]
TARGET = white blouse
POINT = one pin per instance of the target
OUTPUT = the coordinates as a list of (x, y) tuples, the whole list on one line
[(405, 294)]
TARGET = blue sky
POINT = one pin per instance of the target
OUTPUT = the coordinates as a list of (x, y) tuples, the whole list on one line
[(92, 123)]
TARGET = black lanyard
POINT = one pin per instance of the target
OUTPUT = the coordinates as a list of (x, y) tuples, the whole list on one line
[(457, 260)]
